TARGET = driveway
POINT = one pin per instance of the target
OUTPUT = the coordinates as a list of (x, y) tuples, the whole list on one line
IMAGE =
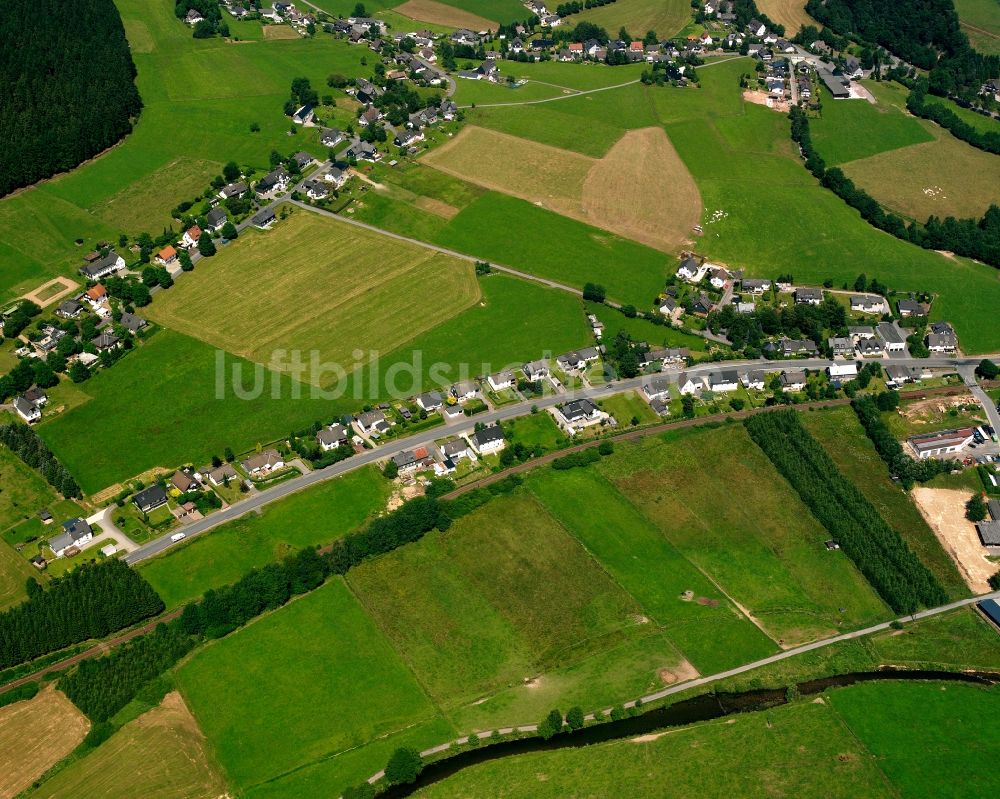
[(110, 530)]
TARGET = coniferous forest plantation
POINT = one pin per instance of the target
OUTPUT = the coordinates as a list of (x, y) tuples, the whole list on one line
[(69, 86)]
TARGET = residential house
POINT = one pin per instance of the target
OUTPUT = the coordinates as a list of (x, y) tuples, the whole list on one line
[(331, 137), (167, 256), (463, 36), (754, 379), (897, 375), (870, 347), (536, 371), (892, 337), (430, 401), (332, 437), (76, 533), (756, 28), (406, 461), (193, 18), (498, 381), (910, 308), (465, 390), (792, 347), (305, 115), (96, 295), (840, 371), (861, 331), (373, 422), (688, 269), (361, 151), (216, 219), (263, 463), (579, 414), (745, 307), (668, 307), (222, 475), (273, 181), (131, 322), (191, 237), (793, 380), (942, 338), (488, 439), (755, 285), (27, 410), (657, 387), (369, 116), (264, 219), (105, 341), (338, 177), (718, 277), (183, 481), (675, 355), (233, 190), (869, 303), (808, 296), (69, 309), (578, 359), (843, 346), (406, 138), (150, 499), (316, 190), (703, 305), (689, 384), (110, 263), (852, 69), (456, 450), (723, 381)]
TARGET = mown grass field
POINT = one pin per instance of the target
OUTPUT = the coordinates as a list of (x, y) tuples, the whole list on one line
[(318, 287), (790, 13), (749, 532), (160, 755), (840, 433), (501, 10), (444, 14), (35, 735), (901, 724), (802, 750), (536, 429), (980, 20), (665, 17), (317, 516), (504, 596), (315, 679)]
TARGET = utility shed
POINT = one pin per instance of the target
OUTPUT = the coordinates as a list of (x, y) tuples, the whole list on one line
[(991, 609)]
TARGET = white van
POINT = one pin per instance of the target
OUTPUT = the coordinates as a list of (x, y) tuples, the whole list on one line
[(177, 536)]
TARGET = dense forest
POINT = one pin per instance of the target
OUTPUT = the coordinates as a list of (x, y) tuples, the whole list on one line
[(68, 86), (878, 551), (91, 601), (924, 33)]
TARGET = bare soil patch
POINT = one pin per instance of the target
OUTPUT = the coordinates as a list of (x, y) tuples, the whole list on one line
[(944, 510), (53, 290), (34, 736), (442, 14), (682, 672), (437, 207), (640, 189), (758, 97)]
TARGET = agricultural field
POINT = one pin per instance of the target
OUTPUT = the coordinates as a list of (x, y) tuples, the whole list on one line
[(448, 15), (164, 396), (980, 21), (316, 679), (505, 11), (160, 755), (945, 177), (755, 539), (318, 516), (34, 736), (842, 436), (15, 571), (790, 13), (331, 290), (665, 17), (800, 750)]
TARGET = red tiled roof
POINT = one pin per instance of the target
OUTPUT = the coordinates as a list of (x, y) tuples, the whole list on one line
[(96, 292), (194, 232), (167, 253)]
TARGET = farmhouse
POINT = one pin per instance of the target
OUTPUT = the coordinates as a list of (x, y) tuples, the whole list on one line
[(332, 437), (76, 533), (838, 86), (150, 499), (112, 262), (498, 381), (945, 442), (869, 303), (808, 296), (264, 463), (579, 414), (489, 439)]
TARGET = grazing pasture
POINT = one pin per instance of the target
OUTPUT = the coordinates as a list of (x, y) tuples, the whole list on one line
[(316, 678), (34, 736), (980, 20), (754, 538), (842, 436), (331, 289), (444, 14), (160, 755)]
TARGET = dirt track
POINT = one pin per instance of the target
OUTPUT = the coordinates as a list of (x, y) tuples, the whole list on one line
[(944, 510)]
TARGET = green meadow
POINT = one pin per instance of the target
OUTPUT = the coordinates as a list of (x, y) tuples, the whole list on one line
[(314, 517)]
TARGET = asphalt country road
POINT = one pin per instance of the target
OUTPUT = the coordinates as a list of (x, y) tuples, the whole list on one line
[(282, 490)]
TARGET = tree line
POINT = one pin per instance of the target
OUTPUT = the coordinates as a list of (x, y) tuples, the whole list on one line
[(901, 465), (877, 550), (91, 601), (69, 89), (972, 238), (917, 105), (26, 444)]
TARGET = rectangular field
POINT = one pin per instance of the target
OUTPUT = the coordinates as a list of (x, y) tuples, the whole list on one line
[(505, 595), (665, 17), (718, 500), (980, 20), (444, 14), (316, 286), (790, 13), (315, 678), (160, 755)]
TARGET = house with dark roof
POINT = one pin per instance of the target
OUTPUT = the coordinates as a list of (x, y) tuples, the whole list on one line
[(332, 437), (150, 499), (110, 263), (75, 534), (489, 439), (263, 463), (233, 190), (808, 296), (579, 414), (910, 308), (216, 219), (131, 322), (70, 309), (263, 219), (27, 410)]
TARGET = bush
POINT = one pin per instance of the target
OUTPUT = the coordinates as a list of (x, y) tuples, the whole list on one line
[(584, 457), (975, 508), (404, 766), (551, 725)]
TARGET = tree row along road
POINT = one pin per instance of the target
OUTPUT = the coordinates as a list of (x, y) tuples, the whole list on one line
[(722, 675), (425, 437)]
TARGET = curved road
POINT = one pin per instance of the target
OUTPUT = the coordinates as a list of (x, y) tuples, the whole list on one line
[(522, 408)]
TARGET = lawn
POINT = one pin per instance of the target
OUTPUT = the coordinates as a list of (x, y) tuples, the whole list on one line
[(160, 755), (980, 20), (643, 330), (159, 407), (849, 131), (644, 562), (315, 678), (665, 17), (318, 515), (801, 750), (628, 406), (315, 304), (901, 724), (717, 499), (538, 429), (23, 491), (516, 233), (840, 433), (505, 595), (738, 153)]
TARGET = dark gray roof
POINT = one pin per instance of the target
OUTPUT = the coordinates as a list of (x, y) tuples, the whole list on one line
[(487, 435), (215, 216), (577, 409), (132, 322), (150, 497)]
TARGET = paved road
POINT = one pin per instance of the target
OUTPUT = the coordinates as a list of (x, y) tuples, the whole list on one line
[(522, 408)]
